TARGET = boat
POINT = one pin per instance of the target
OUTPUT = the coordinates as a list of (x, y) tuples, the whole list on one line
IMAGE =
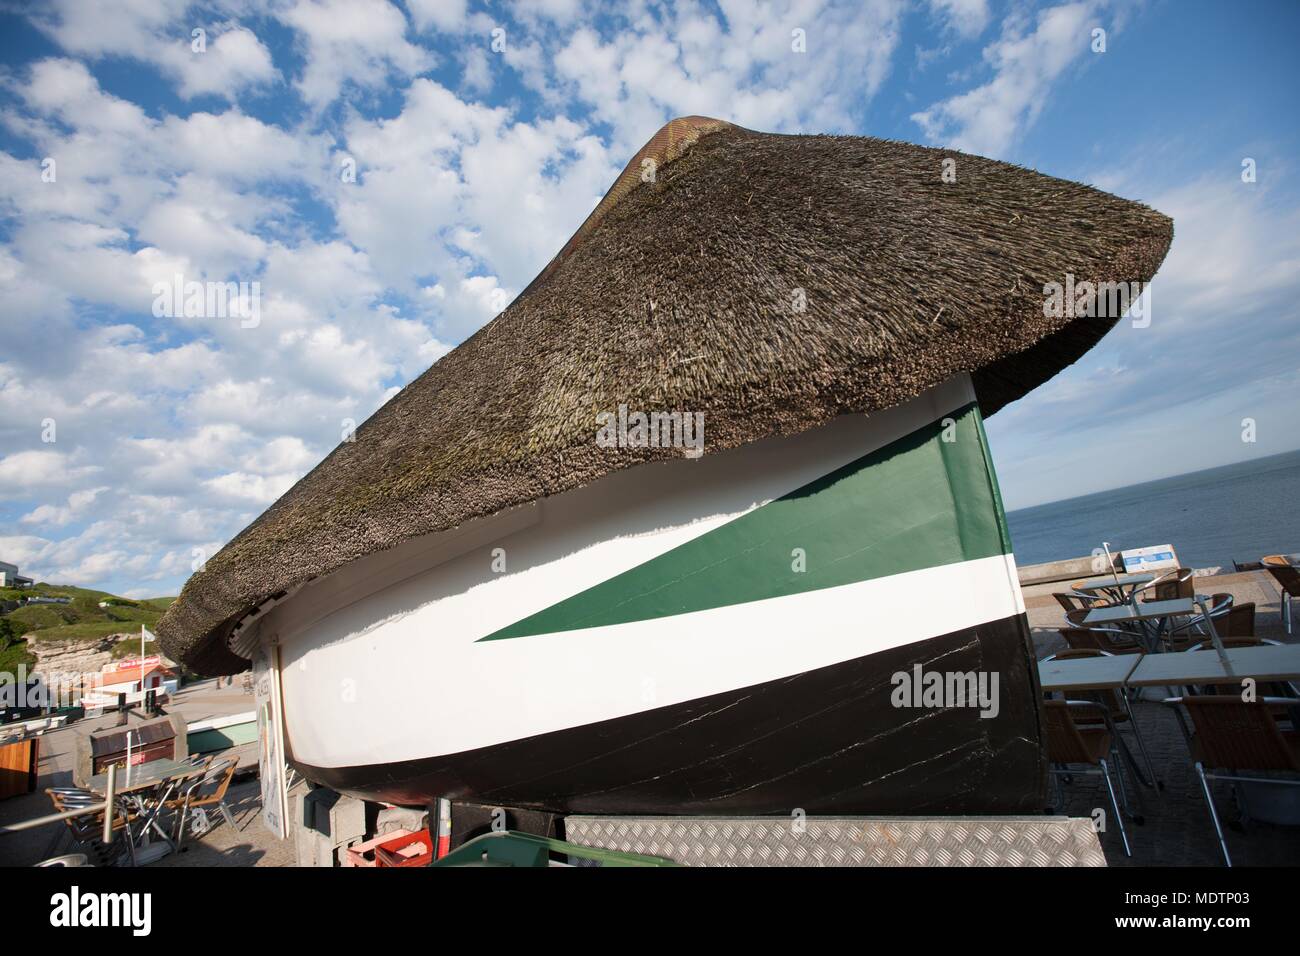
[(706, 521)]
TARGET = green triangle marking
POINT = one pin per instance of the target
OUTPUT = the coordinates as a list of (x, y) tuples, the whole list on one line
[(918, 502)]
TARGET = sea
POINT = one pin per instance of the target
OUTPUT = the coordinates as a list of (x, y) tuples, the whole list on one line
[(1235, 512)]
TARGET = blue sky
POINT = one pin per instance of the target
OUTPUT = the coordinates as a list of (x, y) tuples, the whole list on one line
[(169, 434)]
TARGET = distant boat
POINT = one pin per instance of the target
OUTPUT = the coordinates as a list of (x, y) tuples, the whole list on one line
[(505, 591)]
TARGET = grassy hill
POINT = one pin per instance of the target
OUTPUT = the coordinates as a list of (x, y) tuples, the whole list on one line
[(81, 619)]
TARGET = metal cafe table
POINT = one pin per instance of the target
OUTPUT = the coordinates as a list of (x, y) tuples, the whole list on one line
[(1150, 617), (1270, 662), (1108, 672), (1118, 587), (149, 786), (1086, 673)]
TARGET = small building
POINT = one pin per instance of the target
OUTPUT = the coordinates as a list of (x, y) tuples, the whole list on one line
[(10, 578), (137, 675)]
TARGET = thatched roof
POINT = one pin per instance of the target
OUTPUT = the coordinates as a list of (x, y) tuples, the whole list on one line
[(680, 294)]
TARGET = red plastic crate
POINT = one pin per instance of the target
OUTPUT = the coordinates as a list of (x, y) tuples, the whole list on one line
[(399, 850)]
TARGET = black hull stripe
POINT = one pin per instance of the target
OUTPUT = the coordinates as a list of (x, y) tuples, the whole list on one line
[(826, 741)]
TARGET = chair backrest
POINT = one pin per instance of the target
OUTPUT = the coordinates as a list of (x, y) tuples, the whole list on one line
[(1234, 734), (1068, 601), (1107, 697), (216, 780), (1082, 637), (1238, 621), (1172, 585), (1230, 642), (1064, 742), (1072, 653), (1287, 578)]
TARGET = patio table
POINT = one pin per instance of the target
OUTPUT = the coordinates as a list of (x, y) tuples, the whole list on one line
[(149, 785), (1086, 673), (1118, 587), (1271, 662), (1150, 618)]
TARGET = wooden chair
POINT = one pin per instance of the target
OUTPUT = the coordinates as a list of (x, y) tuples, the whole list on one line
[(1071, 746), (1234, 735)]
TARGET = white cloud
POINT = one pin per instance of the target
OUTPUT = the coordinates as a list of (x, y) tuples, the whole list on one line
[(1026, 60), (966, 18), (446, 16), (157, 31), (31, 471), (362, 42)]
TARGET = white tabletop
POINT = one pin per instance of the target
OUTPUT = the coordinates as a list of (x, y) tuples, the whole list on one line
[(1145, 611), (1267, 662), (1119, 580), (1086, 673)]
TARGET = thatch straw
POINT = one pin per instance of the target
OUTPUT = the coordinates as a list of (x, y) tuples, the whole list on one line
[(681, 294)]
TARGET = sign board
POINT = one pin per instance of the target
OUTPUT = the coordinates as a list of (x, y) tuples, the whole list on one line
[(1159, 557), (270, 735)]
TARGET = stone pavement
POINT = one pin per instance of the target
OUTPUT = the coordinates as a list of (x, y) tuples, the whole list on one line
[(1177, 830)]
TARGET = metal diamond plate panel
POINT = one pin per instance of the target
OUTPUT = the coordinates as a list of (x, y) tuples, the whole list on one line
[(847, 841)]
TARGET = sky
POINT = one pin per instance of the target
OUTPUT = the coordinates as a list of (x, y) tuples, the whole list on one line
[(392, 174)]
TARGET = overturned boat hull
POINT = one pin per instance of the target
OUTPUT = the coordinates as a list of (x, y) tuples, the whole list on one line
[(752, 632)]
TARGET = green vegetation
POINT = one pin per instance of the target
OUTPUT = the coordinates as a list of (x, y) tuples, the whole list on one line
[(13, 651), (81, 619), (132, 649)]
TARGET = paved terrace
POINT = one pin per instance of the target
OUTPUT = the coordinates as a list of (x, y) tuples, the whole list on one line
[(1177, 829)]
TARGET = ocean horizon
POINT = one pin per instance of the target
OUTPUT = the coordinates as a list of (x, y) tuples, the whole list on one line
[(1212, 517)]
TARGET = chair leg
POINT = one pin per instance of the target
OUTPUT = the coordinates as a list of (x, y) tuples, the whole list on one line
[(225, 812), (1114, 805), (180, 823), (1214, 814), (1142, 746)]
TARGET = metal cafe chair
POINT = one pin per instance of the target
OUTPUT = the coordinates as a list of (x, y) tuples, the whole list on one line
[(1238, 736), (209, 790), (1221, 607), (1120, 711), (1071, 746), (87, 829), (1074, 600), (1288, 583), (1112, 640), (1169, 586)]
